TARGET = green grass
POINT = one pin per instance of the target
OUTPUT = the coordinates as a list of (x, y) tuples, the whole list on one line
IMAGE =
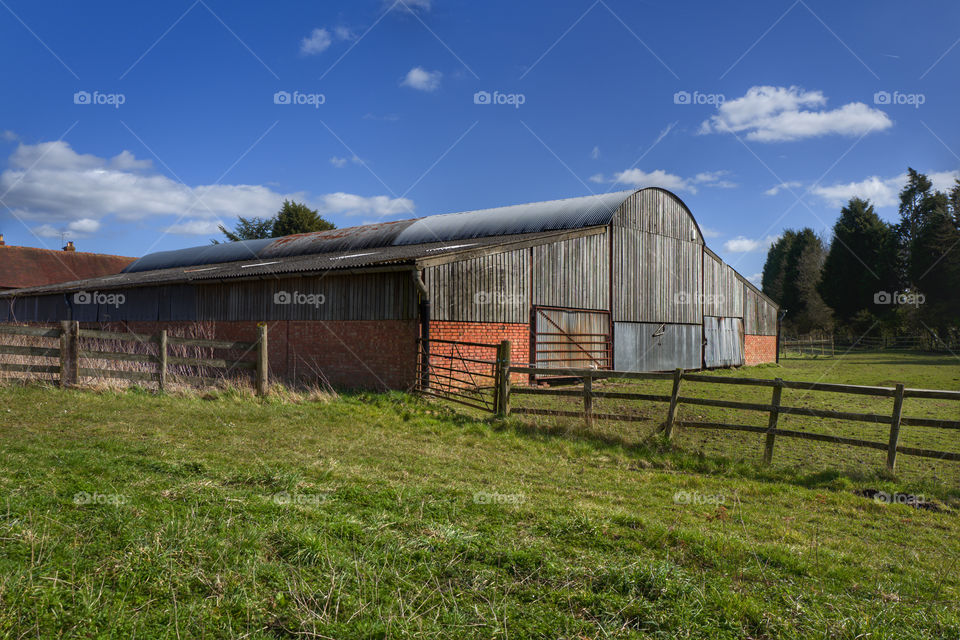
[(382, 516)]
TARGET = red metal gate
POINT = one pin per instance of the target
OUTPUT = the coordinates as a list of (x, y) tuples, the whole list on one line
[(571, 338)]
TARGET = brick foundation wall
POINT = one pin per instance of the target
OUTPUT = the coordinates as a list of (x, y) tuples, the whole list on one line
[(367, 354), (759, 349), (486, 333)]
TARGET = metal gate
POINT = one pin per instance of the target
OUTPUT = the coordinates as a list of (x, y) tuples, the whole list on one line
[(571, 338), (462, 372), (723, 342)]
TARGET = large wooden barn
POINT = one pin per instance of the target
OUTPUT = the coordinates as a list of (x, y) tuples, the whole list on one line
[(620, 280)]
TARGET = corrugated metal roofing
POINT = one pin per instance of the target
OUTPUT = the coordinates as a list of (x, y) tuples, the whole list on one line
[(553, 215), (261, 267)]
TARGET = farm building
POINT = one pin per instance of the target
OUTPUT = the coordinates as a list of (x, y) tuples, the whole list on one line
[(31, 267), (619, 280)]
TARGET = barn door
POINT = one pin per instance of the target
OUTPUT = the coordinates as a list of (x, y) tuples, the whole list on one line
[(571, 338), (723, 341)]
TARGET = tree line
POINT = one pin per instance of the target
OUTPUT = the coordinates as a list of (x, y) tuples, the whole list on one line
[(874, 277), (293, 217)]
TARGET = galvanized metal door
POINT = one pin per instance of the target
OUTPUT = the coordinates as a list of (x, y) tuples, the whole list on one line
[(571, 338), (652, 346), (723, 341)]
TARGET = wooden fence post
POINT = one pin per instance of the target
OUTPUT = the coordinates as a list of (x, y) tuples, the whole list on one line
[(162, 361), (772, 421), (895, 429), (262, 380), (69, 353), (501, 400), (672, 411), (588, 400)]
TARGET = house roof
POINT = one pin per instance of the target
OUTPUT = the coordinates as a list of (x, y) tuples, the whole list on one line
[(32, 267)]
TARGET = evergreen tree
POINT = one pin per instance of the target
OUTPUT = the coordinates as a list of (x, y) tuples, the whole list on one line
[(916, 203), (295, 217), (247, 229), (804, 261), (774, 268)]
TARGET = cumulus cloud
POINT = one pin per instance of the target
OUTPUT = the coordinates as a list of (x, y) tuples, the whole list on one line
[(595, 154), (783, 186), (882, 192), (781, 114), (318, 41), (194, 228), (639, 178), (51, 183), (707, 232), (742, 244), (8, 136), (422, 80)]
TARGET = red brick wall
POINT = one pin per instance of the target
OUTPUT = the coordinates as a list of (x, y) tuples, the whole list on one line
[(486, 333), (369, 354), (759, 349)]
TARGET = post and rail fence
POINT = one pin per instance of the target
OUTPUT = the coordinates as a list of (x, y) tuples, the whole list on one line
[(77, 355)]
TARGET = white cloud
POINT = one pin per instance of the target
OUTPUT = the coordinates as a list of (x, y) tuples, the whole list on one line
[(422, 80), (639, 178), (343, 33), (595, 154), (756, 279), (780, 114), (84, 225), (51, 183), (408, 5), (46, 231), (318, 41), (194, 228), (339, 162), (707, 232), (9, 136), (783, 186), (882, 192), (742, 244)]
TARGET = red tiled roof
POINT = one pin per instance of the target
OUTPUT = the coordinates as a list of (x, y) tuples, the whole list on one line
[(31, 267)]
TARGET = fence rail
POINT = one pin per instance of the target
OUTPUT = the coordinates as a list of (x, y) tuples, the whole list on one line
[(77, 353), (504, 391)]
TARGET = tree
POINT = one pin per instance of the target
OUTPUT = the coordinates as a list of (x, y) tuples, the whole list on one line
[(775, 266), (861, 262), (247, 229), (295, 217), (935, 266), (916, 203)]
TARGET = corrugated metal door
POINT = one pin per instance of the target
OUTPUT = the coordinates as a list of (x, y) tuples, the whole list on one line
[(571, 338), (650, 346), (723, 341)]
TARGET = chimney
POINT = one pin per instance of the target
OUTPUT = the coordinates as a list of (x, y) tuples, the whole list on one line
[(69, 246), (2, 243)]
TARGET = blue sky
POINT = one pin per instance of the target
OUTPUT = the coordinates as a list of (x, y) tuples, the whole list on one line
[(137, 127)]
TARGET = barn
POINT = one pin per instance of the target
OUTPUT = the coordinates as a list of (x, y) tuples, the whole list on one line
[(619, 280)]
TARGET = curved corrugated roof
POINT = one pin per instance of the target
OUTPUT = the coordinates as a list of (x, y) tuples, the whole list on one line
[(552, 215)]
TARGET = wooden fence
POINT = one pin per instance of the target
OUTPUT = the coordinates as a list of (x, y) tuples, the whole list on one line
[(807, 347), (774, 409), (77, 355)]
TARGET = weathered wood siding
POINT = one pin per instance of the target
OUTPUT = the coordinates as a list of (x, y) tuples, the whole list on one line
[(573, 273), (494, 288), (658, 211), (723, 342), (759, 315), (656, 278), (722, 290)]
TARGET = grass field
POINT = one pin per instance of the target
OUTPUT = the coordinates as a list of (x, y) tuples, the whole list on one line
[(128, 514)]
